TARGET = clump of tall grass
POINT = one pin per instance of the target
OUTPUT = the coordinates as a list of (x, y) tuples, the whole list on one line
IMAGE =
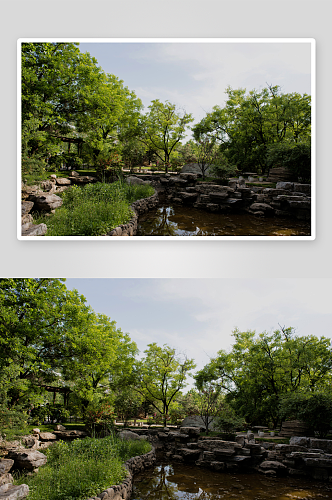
[(82, 468), (94, 209)]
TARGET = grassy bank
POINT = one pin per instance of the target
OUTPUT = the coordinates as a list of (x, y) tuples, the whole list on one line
[(94, 209), (82, 468)]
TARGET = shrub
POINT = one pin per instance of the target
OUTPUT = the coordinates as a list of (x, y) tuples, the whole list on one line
[(99, 418), (228, 421), (314, 409)]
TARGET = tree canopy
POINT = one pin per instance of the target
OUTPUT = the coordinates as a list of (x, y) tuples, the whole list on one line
[(161, 375), (249, 123), (262, 368)]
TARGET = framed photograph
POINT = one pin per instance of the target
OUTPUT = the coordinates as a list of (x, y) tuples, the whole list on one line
[(166, 138)]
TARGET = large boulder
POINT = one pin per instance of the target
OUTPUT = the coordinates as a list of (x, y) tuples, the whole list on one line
[(132, 180), (27, 459), (62, 181), (46, 202), (47, 436), (127, 435)]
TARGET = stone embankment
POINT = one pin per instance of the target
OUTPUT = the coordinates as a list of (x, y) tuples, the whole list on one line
[(307, 457), (288, 199)]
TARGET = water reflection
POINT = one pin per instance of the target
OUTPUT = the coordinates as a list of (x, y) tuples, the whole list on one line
[(178, 481), (181, 220)]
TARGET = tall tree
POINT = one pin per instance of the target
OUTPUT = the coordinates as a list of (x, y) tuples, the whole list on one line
[(162, 129), (249, 123), (161, 375), (260, 369)]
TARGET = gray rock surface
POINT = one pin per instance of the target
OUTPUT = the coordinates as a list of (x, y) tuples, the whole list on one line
[(14, 492), (27, 459)]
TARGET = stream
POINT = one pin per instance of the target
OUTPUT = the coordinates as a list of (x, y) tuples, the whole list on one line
[(180, 220), (178, 481)]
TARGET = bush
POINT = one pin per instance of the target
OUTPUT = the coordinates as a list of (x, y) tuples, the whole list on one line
[(99, 418), (228, 421), (314, 409), (82, 468), (295, 157), (223, 170)]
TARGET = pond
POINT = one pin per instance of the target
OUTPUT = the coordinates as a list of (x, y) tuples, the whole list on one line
[(180, 220), (186, 482)]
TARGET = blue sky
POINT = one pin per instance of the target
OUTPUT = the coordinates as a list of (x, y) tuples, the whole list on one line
[(197, 316), (194, 76)]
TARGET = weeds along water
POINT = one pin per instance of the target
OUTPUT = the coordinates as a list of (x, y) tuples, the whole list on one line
[(82, 468), (94, 209)]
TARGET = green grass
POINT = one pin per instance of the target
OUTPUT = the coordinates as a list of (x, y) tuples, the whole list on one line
[(82, 468), (94, 209)]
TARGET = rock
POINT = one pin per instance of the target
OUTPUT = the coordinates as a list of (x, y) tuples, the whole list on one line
[(25, 220), (36, 430), (273, 465), (47, 436), (83, 179), (68, 435), (192, 431), (74, 174), (46, 202), (27, 459), (15, 492), (48, 186), (34, 230), (289, 186), (323, 444), (299, 441), (261, 207), (132, 180), (29, 441), (127, 435), (189, 454), (6, 478), (213, 444), (62, 181), (302, 188), (30, 190), (5, 465), (26, 207), (59, 427), (188, 197), (218, 197), (52, 176), (188, 176)]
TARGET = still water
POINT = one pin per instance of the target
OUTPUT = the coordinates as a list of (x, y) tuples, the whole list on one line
[(185, 482), (180, 220)]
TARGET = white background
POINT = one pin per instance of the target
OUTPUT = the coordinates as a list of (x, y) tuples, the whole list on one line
[(171, 18)]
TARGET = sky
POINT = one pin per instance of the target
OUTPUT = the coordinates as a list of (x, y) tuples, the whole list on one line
[(194, 76), (197, 316)]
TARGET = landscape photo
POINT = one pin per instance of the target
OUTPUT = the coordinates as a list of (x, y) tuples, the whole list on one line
[(166, 138)]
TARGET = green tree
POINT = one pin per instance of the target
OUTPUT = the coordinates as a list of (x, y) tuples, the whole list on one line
[(162, 129), (161, 375), (209, 402), (249, 123), (260, 369)]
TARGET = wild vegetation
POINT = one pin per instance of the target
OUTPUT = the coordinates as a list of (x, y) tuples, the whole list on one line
[(60, 360), (95, 209), (82, 468)]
